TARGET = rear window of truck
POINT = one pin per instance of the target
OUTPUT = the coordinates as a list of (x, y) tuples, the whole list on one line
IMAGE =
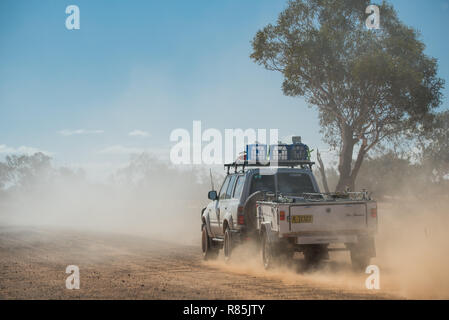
[(262, 183), (294, 183)]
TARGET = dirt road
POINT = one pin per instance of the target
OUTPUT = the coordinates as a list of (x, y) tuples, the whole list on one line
[(115, 266)]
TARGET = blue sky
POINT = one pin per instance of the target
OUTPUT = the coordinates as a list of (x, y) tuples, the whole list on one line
[(152, 66)]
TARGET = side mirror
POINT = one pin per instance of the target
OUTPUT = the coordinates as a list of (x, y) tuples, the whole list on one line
[(212, 195)]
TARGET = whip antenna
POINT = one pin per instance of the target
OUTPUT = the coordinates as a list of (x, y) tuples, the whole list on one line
[(211, 181)]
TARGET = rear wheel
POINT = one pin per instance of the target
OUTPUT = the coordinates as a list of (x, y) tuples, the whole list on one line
[(209, 252), (267, 252), (359, 260), (361, 253), (249, 210)]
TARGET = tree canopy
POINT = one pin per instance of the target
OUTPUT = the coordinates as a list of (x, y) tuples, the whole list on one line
[(368, 85)]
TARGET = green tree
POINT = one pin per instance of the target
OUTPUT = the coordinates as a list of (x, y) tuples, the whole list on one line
[(3, 175), (23, 171), (369, 86)]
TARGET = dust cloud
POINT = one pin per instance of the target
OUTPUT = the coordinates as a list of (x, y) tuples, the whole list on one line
[(412, 255), (151, 199), (413, 247), (146, 197)]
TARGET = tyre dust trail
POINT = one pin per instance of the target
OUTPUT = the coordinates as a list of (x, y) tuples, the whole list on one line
[(117, 266), (412, 246)]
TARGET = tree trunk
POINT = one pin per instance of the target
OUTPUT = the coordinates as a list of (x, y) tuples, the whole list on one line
[(359, 160), (346, 180)]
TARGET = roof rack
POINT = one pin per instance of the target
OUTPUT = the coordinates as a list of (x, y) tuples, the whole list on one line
[(281, 163)]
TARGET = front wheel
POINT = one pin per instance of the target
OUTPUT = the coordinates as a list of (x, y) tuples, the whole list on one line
[(209, 252), (227, 246)]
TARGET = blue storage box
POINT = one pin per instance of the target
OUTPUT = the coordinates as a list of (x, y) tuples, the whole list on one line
[(298, 151), (256, 152), (279, 152)]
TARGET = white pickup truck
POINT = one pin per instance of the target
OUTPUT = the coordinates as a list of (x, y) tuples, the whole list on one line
[(285, 213)]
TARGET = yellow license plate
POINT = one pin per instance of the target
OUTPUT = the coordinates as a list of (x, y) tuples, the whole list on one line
[(302, 219)]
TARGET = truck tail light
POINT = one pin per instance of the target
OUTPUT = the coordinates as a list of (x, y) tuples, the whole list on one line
[(373, 212), (240, 216), (282, 215)]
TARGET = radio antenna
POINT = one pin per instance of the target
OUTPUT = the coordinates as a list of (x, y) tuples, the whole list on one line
[(211, 180)]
